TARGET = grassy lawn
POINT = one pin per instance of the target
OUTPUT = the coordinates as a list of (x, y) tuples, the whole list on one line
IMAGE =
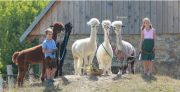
[(128, 83), (138, 84)]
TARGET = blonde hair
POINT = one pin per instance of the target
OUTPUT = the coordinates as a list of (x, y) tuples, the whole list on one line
[(146, 19), (48, 30)]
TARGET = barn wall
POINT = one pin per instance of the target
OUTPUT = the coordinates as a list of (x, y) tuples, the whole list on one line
[(163, 14)]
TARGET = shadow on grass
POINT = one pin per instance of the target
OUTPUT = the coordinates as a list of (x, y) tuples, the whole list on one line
[(118, 76), (148, 79), (92, 78), (36, 84), (65, 80), (51, 88), (163, 68)]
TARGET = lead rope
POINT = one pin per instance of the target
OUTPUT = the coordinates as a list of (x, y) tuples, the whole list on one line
[(105, 48)]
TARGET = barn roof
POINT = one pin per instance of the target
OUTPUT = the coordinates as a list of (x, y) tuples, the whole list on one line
[(36, 21)]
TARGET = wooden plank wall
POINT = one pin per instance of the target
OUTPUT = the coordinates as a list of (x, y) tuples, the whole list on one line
[(165, 15)]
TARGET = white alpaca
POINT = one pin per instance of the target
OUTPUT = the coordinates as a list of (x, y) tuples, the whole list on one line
[(105, 53), (124, 50), (84, 48)]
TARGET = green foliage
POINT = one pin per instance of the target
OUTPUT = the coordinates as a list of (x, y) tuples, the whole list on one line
[(15, 17)]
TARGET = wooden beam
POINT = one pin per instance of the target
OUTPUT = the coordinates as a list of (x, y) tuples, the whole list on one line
[(36, 21)]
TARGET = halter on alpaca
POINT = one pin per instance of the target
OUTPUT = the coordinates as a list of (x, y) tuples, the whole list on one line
[(105, 53), (124, 51)]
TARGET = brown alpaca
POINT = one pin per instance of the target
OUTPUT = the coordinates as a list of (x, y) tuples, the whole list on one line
[(33, 55)]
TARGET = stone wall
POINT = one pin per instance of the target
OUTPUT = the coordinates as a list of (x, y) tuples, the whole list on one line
[(167, 53)]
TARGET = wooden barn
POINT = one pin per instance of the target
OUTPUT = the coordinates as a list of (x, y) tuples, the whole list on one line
[(164, 15)]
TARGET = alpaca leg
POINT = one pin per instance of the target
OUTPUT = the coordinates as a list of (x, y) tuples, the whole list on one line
[(43, 72), (24, 73), (85, 64), (102, 66), (129, 67), (91, 57), (100, 63), (109, 68), (75, 65), (20, 71), (124, 67), (85, 61), (120, 68), (79, 65), (105, 68), (20, 75), (132, 67)]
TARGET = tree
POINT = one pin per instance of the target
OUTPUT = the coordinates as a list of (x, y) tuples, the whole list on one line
[(15, 17)]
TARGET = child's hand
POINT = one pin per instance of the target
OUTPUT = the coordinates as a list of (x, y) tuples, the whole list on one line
[(54, 50)]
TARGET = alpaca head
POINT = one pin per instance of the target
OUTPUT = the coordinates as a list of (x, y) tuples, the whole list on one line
[(94, 23), (57, 27), (117, 26), (106, 25), (68, 27)]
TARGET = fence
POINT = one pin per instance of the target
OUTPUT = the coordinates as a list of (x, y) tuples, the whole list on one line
[(10, 77)]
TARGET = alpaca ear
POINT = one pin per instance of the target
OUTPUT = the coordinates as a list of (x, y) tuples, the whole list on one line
[(89, 23), (98, 23), (103, 23)]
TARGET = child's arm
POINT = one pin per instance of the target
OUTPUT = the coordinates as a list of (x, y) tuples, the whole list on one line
[(47, 51), (142, 38), (154, 37)]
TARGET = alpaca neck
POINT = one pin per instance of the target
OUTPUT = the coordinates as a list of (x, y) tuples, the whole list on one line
[(93, 35), (54, 36), (119, 41), (106, 37)]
